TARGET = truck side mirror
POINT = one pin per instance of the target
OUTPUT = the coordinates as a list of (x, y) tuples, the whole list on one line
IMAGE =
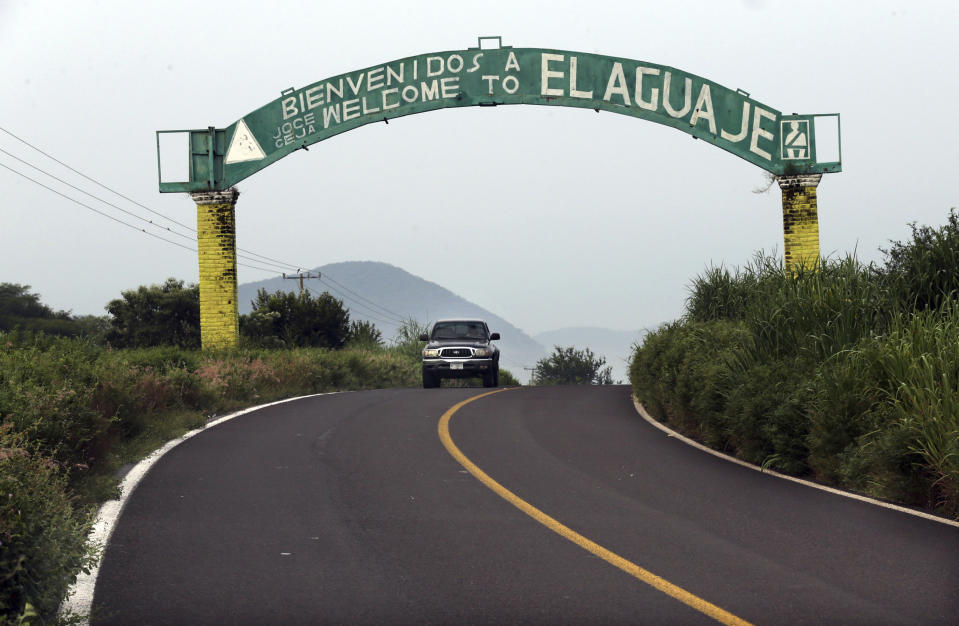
[(424, 337), (494, 337)]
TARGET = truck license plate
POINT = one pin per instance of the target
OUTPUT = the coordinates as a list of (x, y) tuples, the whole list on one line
[(456, 366)]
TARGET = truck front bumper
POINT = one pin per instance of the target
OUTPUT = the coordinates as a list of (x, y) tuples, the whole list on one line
[(457, 368)]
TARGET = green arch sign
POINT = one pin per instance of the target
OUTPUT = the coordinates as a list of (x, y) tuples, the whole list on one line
[(784, 145)]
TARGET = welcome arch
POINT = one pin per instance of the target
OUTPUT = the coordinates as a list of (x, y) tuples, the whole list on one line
[(488, 75)]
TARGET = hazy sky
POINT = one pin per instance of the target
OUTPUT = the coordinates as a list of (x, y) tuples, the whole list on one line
[(576, 219)]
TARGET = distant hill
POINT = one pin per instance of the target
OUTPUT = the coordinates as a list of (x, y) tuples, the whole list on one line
[(386, 295), (614, 345)]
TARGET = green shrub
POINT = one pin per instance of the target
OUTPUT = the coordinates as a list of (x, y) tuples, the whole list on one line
[(882, 465), (364, 335), (156, 315), (47, 389), (682, 372), (506, 379), (407, 341), (568, 365), (42, 535), (922, 273), (163, 358), (285, 319)]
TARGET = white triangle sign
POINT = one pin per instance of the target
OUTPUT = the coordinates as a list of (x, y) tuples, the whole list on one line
[(243, 146)]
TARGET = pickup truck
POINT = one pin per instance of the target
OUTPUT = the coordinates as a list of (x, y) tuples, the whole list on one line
[(460, 348)]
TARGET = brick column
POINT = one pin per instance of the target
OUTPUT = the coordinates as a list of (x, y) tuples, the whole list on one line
[(800, 221), (216, 243)]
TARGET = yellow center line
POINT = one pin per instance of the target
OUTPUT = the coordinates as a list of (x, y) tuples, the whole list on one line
[(674, 591)]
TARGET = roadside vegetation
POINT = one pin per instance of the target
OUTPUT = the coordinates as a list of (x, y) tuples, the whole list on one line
[(81, 397), (568, 365), (848, 375)]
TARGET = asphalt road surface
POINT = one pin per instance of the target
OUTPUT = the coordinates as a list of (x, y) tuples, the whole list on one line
[(348, 508)]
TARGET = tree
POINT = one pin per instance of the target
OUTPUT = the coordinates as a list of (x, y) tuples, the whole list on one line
[(167, 314), (21, 309), (569, 366), (94, 327), (289, 319), (364, 334), (16, 301)]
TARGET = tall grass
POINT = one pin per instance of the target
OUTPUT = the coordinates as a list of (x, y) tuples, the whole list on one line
[(849, 374), (811, 313), (919, 363)]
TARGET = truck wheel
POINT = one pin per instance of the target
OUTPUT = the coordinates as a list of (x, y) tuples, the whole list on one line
[(489, 379), (430, 381)]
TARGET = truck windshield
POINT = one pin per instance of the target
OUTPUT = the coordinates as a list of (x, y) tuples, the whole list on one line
[(459, 330)]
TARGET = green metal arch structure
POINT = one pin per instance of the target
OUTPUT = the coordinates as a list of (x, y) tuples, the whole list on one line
[(489, 76)]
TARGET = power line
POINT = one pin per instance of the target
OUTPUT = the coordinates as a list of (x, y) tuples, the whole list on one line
[(276, 262), (94, 181), (382, 308), (369, 312), (268, 270), (393, 319), (74, 187), (118, 220), (114, 191), (130, 213), (106, 215), (283, 267), (247, 254), (373, 317)]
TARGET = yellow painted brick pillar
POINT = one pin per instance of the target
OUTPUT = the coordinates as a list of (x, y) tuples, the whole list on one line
[(216, 243), (800, 221)]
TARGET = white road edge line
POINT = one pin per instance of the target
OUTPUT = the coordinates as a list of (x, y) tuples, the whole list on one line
[(846, 494), (79, 599)]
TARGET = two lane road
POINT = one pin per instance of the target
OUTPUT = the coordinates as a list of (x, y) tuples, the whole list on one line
[(347, 508)]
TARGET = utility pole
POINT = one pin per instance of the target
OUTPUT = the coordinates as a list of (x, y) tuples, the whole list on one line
[(300, 277), (531, 370)]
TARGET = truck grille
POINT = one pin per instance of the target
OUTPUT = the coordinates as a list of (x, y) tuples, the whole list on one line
[(456, 353)]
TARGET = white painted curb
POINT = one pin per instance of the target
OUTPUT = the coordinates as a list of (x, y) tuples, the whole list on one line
[(846, 494), (79, 599)]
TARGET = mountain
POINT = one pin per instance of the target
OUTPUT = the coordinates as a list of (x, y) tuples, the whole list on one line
[(386, 296), (614, 345)]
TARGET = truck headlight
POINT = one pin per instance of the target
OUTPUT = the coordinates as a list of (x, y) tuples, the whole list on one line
[(431, 353), (481, 352)]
